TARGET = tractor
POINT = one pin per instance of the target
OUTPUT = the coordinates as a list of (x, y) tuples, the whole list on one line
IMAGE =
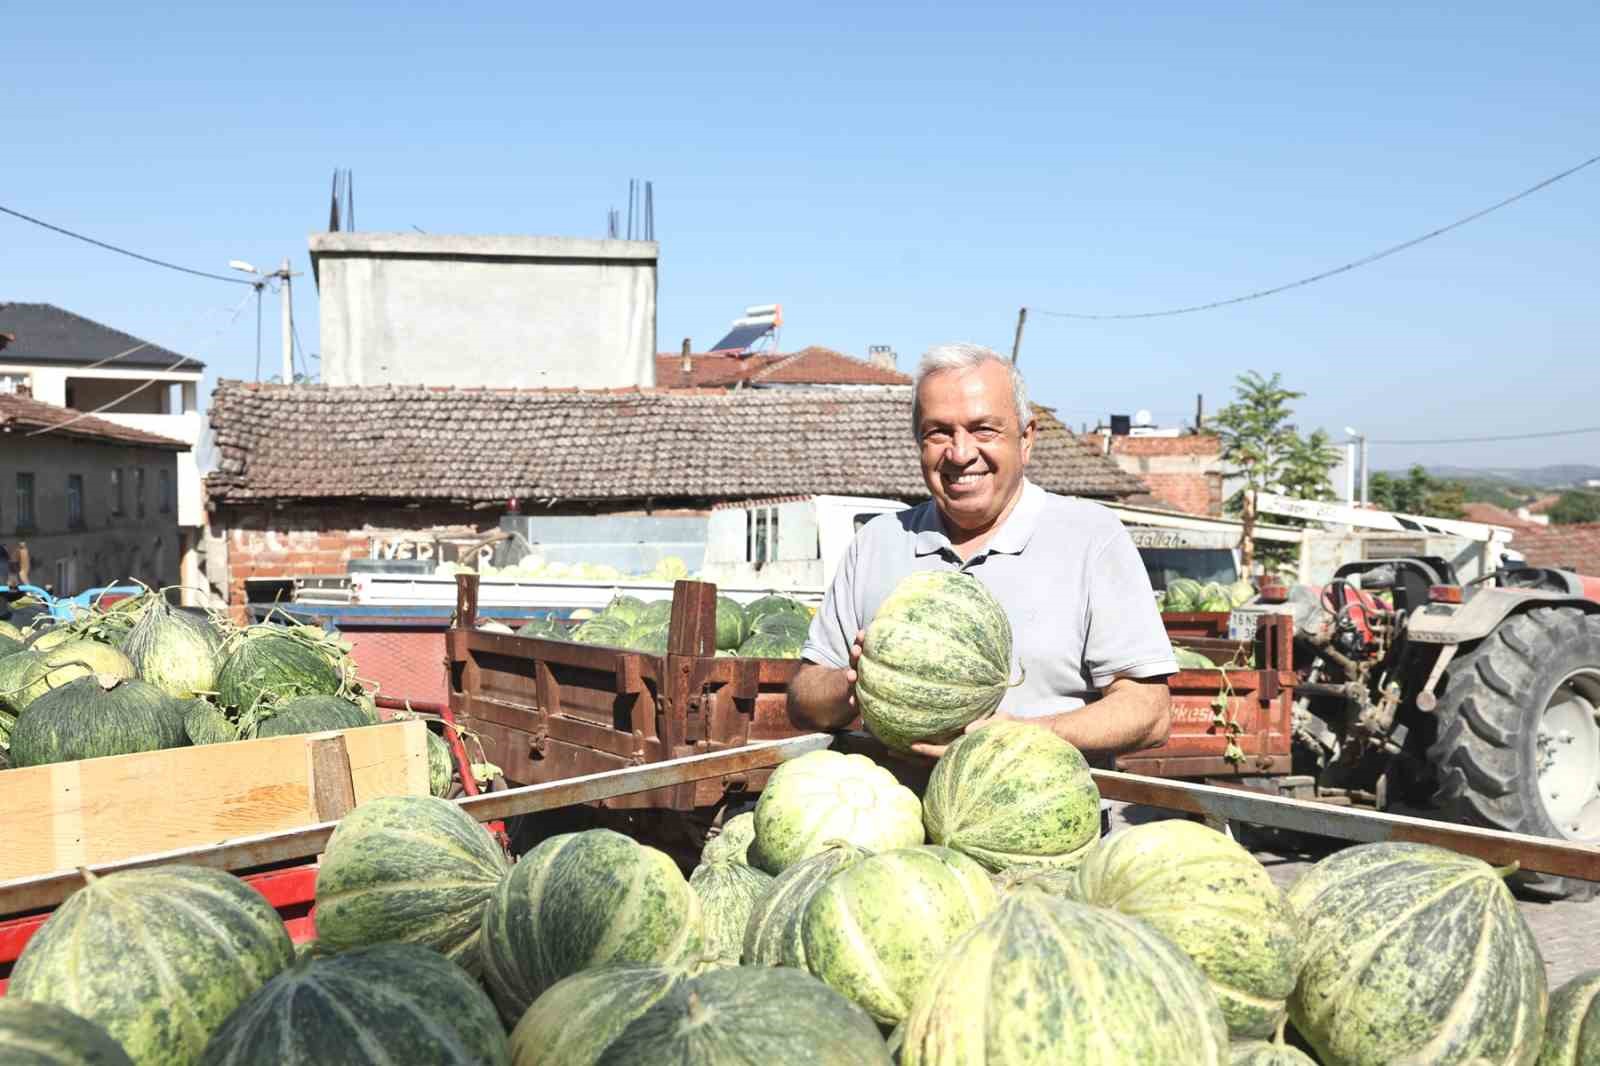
[(1478, 702)]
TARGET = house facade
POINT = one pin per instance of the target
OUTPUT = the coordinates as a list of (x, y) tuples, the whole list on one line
[(62, 359), (312, 477), (85, 502)]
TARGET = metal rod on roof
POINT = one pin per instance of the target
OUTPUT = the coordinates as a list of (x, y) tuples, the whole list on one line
[(1016, 345)]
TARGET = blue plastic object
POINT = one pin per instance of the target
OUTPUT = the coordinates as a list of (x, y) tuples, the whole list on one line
[(65, 608)]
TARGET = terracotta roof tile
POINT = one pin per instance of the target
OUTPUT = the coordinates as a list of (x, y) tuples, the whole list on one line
[(1496, 516), (22, 414), (321, 442), (1570, 547), (808, 366)]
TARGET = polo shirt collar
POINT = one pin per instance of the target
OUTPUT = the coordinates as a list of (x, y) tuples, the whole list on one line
[(1010, 539)]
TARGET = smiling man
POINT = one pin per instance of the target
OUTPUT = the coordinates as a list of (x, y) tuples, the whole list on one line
[(1083, 617)]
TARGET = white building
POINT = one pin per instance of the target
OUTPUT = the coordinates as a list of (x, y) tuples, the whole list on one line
[(67, 360)]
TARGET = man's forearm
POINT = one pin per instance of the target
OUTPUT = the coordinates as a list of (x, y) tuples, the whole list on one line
[(1130, 716), (819, 698)]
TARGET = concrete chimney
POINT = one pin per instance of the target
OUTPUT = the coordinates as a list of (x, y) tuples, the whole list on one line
[(882, 355)]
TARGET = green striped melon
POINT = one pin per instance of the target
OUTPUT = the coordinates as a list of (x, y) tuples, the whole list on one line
[(441, 766), (657, 612), (1272, 1052), (158, 958), (728, 892), (1059, 881), (204, 724), (608, 630), (309, 714), (773, 935), (384, 1005), (774, 605), (824, 796), (875, 931), (8, 630), (14, 670), (50, 636), (412, 869), (1212, 898), (1572, 1030), (733, 842), (627, 608), (68, 662), (90, 717), (9, 645), (769, 645), (579, 1016), (731, 629), (578, 900), (1415, 955), (745, 1017), (265, 666), (1050, 981), (648, 637), (174, 650), (43, 1034), (1013, 794), (937, 657)]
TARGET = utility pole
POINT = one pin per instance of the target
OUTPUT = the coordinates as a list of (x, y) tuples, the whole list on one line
[(1199, 412), (288, 323), (286, 312), (1016, 345)]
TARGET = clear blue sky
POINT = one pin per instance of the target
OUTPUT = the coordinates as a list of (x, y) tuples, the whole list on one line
[(895, 175)]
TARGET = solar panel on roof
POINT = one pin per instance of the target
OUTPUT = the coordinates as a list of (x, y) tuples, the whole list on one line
[(741, 337)]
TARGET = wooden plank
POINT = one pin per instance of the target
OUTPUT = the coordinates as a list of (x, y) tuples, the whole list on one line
[(333, 786), (92, 811), (1563, 858), (23, 894)]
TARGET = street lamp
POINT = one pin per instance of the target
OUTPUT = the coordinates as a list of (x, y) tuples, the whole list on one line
[(1350, 463), (287, 305)]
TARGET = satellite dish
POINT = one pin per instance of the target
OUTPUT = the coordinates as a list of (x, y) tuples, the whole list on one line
[(1141, 418)]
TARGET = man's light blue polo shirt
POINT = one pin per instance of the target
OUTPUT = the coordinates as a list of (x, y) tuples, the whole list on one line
[(1068, 575)]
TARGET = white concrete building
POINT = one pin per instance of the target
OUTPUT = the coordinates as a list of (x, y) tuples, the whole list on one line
[(506, 312)]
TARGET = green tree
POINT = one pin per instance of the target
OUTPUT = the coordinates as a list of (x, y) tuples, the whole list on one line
[(1264, 448), (1417, 493), (1576, 506)]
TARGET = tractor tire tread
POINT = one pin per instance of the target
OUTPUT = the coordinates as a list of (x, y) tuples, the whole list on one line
[(1476, 753)]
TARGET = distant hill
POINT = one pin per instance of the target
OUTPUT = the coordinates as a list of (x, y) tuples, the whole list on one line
[(1560, 476)]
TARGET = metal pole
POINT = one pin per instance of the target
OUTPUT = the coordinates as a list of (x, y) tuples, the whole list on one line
[(1349, 473), (1016, 345), (288, 324), (1365, 471)]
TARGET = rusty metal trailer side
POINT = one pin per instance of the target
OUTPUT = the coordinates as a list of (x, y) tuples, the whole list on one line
[(547, 710)]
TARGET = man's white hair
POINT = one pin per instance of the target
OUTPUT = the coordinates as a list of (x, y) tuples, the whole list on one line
[(942, 357)]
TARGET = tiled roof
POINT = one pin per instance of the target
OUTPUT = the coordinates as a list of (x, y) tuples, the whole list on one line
[(808, 366), (45, 333), (323, 442), (1571, 547), (22, 414), (1496, 516)]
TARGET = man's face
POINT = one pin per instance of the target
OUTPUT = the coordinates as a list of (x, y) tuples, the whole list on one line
[(973, 447)]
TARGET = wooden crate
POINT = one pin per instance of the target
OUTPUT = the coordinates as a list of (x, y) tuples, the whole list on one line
[(66, 815), (1260, 699), (549, 710)]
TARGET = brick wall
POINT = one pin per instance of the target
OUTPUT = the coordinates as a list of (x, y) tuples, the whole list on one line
[(265, 541), (302, 541), (1184, 473)]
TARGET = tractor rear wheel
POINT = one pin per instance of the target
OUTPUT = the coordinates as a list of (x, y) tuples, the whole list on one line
[(1518, 744)]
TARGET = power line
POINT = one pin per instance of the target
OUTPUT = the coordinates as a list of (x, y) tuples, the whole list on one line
[(1506, 436), (182, 359), (1373, 258), (123, 251)]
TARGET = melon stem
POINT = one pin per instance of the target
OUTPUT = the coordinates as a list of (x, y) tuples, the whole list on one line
[(1506, 871)]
